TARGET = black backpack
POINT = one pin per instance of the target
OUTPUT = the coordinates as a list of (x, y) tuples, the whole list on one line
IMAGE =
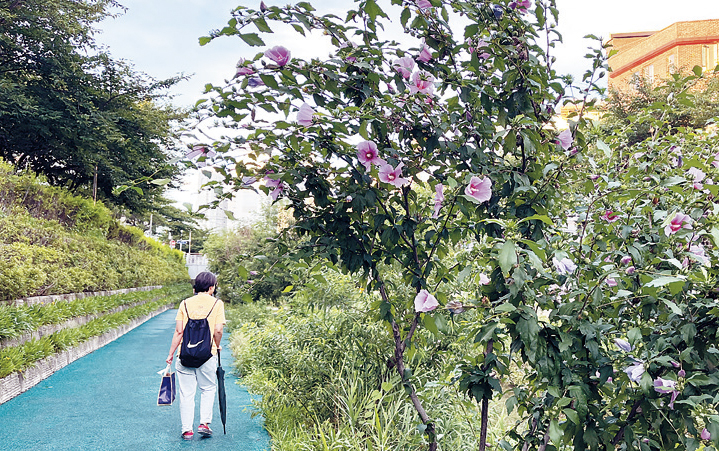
[(196, 341)]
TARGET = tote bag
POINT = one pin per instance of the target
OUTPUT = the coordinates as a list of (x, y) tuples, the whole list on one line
[(166, 396)]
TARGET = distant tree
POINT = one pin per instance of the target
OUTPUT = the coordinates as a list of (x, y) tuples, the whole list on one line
[(72, 113), (697, 104)]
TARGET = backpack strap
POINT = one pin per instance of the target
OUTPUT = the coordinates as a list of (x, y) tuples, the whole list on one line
[(213, 307), (208, 313)]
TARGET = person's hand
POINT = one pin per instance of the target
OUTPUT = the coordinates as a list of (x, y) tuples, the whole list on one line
[(219, 348), (169, 359)]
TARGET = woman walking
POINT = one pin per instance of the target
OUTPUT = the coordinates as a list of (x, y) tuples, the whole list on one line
[(198, 307)]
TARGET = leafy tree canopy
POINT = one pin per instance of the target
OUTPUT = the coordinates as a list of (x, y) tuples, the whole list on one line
[(71, 112)]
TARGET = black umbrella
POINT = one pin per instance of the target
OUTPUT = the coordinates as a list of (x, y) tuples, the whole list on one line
[(221, 392)]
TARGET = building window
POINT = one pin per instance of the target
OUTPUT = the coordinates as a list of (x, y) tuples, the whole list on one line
[(671, 64), (649, 74), (709, 56)]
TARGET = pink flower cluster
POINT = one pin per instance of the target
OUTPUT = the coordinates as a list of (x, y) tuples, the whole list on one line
[(421, 81), (368, 155), (243, 68)]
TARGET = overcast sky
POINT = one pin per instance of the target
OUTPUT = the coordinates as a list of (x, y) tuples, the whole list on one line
[(160, 37)]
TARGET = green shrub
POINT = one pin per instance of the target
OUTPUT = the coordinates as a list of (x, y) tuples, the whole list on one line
[(326, 382), (52, 242)]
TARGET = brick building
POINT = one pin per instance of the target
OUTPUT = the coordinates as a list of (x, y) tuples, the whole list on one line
[(656, 54)]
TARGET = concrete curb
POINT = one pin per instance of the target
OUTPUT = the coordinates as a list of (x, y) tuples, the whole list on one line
[(19, 382)]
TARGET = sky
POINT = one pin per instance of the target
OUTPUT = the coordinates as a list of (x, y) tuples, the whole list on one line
[(160, 37)]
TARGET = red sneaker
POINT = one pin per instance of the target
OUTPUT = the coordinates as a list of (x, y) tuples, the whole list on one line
[(187, 435), (204, 430)]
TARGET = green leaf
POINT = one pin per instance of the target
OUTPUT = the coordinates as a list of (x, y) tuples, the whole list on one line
[(505, 308), (544, 218), (535, 248), (715, 235), (204, 40), (605, 148), (387, 386), (288, 288), (572, 416), (673, 307), (555, 432), (664, 280), (270, 81), (161, 182), (261, 25), (252, 39), (230, 215), (363, 130), (428, 321), (507, 256), (404, 17), (373, 10)]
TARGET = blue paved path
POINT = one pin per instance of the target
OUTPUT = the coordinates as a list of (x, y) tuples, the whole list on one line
[(108, 401)]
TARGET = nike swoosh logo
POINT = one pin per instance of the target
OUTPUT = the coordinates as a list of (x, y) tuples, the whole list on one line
[(190, 345)]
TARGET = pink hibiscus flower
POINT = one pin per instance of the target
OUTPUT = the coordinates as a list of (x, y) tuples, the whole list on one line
[(404, 66), (480, 189), (368, 154), (423, 4), (279, 55), (425, 302), (565, 139), (678, 222), (423, 82), (438, 199), (611, 216), (424, 54), (393, 176), (304, 115), (483, 55), (698, 176), (243, 68)]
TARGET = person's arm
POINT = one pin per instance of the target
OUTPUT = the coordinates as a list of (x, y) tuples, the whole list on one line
[(219, 327), (176, 340)]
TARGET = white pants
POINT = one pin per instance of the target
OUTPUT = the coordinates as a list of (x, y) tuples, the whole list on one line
[(187, 381)]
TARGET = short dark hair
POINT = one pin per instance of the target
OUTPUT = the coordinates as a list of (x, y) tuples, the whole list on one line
[(204, 281)]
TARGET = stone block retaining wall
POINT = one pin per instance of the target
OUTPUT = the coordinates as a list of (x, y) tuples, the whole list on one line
[(73, 296), (78, 321)]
